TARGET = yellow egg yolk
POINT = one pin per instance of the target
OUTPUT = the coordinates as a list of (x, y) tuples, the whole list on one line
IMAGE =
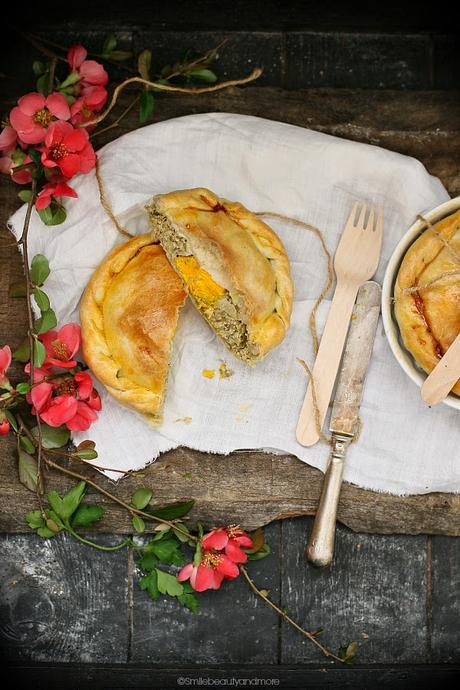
[(204, 289)]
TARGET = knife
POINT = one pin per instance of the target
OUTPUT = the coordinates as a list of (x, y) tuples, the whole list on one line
[(344, 417)]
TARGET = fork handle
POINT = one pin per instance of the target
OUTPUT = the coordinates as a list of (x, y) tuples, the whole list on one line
[(327, 362)]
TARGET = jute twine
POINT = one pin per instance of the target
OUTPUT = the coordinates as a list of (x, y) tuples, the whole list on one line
[(312, 318), (445, 274)]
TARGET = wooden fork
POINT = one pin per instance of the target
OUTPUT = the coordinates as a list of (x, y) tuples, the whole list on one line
[(444, 376), (355, 261)]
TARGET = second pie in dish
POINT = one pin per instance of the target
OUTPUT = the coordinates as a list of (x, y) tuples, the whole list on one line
[(128, 316), (233, 265), (429, 317)]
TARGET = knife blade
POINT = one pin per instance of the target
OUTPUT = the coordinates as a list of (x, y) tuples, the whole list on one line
[(344, 417)]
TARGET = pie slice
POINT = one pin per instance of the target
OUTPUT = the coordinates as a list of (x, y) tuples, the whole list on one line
[(233, 265), (429, 318), (128, 316)]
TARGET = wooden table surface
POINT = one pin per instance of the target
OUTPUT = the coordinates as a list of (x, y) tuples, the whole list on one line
[(70, 614)]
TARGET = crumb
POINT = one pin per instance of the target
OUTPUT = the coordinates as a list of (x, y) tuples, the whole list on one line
[(365, 636), (186, 420), (224, 371), (208, 373), (244, 407)]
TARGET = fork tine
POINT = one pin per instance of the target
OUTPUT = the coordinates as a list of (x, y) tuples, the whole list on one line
[(370, 222), (379, 224), (362, 216), (352, 217)]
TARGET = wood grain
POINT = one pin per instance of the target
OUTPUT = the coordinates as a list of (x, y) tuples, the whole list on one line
[(256, 488)]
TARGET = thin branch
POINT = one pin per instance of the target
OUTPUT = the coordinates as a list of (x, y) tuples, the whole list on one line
[(116, 122), (195, 91), (287, 618)]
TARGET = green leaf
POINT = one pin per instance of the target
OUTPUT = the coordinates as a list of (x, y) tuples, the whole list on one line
[(53, 437), (45, 532), (39, 353), (25, 195), (71, 500), (27, 470), (12, 419), (166, 550), (39, 269), (38, 67), (34, 519), (144, 62), (202, 74), (43, 84), (55, 502), (197, 556), (141, 498), (348, 652), (86, 515), (168, 584), (110, 44), (148, 561), (138, 524), (120, 55), (190, 602), (147, 106), (261, 553), (18, 157), (35, 155), (54, 214), (22, 354), (150, 583), (46, 322), (86, 454), (42, 299), (53, 525), (172, 512), (70, 80), (27, 444), (23, 388), (180, 535)]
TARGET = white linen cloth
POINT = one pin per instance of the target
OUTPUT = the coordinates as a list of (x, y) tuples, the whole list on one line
[(404, 447)]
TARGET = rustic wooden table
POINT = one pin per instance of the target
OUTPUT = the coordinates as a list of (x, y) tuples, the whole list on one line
[(71, 615)]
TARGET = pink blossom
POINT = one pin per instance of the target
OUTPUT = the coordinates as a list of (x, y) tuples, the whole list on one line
[(74, 405), (53, 189), (231, 539), (210, 572), (7, 166), (5, 361), (8, 138), (86, 106), (61, 346), (4, 425), (68, 149), (35, 113), (91, 73)]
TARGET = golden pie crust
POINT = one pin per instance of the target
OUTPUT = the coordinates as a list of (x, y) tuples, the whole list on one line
[(129, 314), (429, 318), (219, 246)]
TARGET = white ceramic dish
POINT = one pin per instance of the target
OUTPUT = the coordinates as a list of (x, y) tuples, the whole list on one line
[(404, 357)]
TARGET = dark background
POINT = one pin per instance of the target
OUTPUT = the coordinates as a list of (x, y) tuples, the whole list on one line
[(400, 590)]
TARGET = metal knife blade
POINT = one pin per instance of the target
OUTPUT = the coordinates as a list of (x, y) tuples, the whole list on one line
[(355, 360)]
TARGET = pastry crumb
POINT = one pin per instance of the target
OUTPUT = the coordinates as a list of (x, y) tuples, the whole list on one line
[(224, 371), (186, 420), (208, 373)]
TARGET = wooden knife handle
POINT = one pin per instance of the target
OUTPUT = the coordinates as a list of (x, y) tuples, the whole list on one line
[(327, 362), (444, 376), (320, 547)]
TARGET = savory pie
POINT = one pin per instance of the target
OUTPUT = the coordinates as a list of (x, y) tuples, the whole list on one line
[(429, 317), (128, 316), (233, 265)]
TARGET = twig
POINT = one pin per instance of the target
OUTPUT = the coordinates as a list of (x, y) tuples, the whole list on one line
[(38, 45), (287, 618), (116, 122), (196, 91), (51, 74), (202, 59)]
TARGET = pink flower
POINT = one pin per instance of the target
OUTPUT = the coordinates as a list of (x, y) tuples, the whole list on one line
[(35, 113), (4, 425), (59, 410), (209, 574), (53, 189), (41, 391), (5, 361), (68, 149), (91, 73), (7, 166), (8, 138), (84, 107), (231, 539), (61, 346), (74, 404)]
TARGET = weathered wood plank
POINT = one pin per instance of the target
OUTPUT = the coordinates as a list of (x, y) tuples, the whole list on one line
[(62, 600), (445, 587), (423, 124), (148, 677), (246, 634), (374, 593)]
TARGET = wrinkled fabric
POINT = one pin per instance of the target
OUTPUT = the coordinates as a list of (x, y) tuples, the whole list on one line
[(404, 447)]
